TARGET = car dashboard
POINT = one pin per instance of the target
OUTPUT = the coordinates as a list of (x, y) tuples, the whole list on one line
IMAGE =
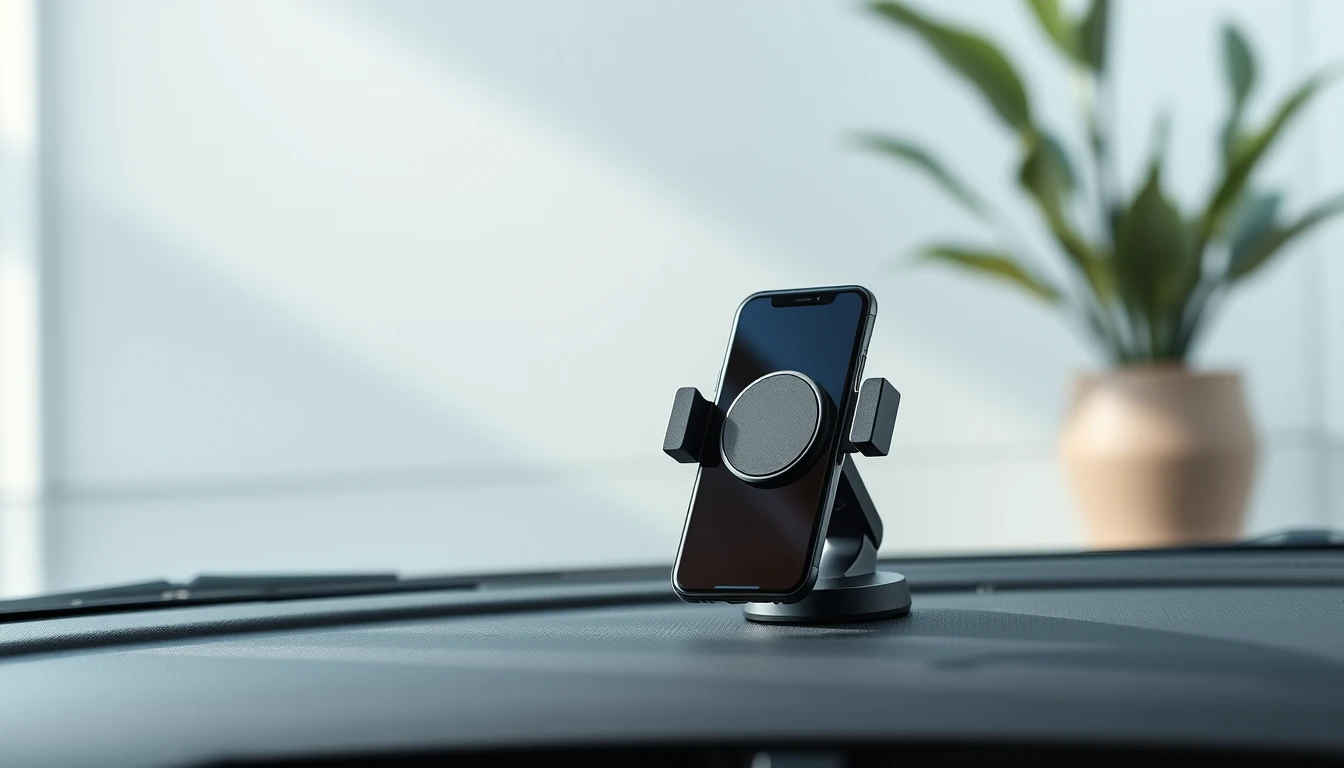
[(1222, 655)]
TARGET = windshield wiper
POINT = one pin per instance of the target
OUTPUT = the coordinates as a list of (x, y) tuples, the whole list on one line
[(223, 588), (220, 588), (1297, 537)]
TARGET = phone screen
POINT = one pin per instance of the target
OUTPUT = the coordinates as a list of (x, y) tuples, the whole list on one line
[(743, 538)]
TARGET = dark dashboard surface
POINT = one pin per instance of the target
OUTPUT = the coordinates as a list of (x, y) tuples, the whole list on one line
[(1235, 650)]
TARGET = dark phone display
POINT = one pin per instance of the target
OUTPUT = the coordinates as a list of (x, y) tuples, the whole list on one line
[(740, 537)]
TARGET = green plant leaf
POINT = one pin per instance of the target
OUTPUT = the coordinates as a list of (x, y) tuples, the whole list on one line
[(973, 57), (1046, 175), (1270, 241), (1059, 160), (1252, 217), (1057, 26), (1249, 152), (1239, 64), (999, 266), (1092, 34), (915, 155), (1155, 262), (1160, 139)]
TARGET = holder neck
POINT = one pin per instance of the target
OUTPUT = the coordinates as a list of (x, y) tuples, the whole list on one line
[(848, 588), (855, 529)]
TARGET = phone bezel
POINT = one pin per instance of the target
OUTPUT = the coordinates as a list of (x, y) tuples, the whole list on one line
[(832, 459)]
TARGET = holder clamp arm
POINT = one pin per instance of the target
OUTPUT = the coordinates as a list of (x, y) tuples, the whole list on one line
[(687, 426), (874, 418)]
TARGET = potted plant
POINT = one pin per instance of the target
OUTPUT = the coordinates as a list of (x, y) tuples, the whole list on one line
[(1158, 453)]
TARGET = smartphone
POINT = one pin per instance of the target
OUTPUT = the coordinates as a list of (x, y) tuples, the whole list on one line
[(743, 542)]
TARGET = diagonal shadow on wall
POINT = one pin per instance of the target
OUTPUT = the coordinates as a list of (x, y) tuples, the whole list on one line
[(195, 427)]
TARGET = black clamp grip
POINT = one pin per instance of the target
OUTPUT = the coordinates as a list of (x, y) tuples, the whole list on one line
[(686, 428), (870, 430), (874, 418)]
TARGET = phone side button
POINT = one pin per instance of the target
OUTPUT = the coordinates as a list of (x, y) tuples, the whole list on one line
[(858, 372)]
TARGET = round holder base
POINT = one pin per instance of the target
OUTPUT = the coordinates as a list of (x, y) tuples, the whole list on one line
[(867, 597)]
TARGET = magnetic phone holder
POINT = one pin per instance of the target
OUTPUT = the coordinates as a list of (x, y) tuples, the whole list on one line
[(772, 433), (776, 429)]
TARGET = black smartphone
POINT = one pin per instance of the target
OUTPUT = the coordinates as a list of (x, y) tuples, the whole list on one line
[(743, 542)]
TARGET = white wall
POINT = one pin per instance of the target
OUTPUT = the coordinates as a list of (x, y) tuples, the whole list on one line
[(1323, 169), (21, 475), (410, 284)]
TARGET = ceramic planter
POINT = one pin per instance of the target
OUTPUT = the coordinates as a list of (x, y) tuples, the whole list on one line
[(1159, 456)]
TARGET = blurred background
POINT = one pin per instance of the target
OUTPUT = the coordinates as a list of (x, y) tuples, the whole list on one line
[(293, 286)]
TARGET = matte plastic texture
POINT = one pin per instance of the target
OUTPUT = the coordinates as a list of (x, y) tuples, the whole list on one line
[(875, 418), (685, 438), (1233, 648)]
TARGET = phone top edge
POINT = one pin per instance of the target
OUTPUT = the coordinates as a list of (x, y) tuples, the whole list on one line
[(851, 288)]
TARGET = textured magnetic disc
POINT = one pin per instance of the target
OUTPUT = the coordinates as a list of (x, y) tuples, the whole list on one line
[(772, 426)]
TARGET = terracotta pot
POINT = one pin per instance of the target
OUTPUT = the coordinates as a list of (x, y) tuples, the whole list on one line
[(1159, 456)]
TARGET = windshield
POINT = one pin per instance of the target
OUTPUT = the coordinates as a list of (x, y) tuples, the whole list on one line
[(410, 287)]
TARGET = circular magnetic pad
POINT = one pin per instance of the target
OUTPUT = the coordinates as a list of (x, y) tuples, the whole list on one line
[(774, 429)]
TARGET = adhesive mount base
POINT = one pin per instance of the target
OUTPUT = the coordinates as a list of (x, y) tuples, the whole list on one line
[(867, 597), (849, 588)]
